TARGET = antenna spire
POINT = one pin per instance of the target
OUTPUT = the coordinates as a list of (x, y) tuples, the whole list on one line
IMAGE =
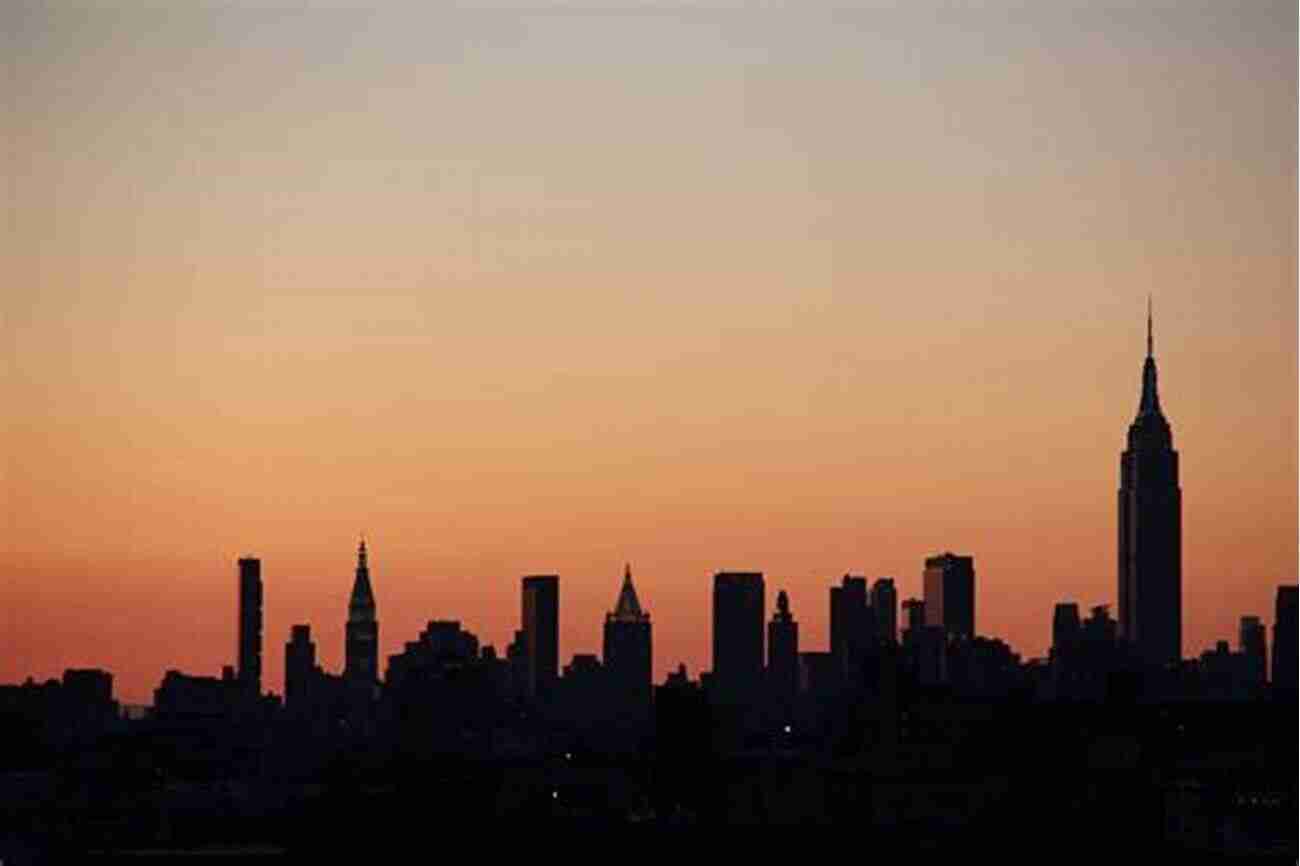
[(1150, 339)]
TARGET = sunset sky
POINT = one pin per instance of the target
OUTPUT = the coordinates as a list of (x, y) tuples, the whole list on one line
[(547, 287)]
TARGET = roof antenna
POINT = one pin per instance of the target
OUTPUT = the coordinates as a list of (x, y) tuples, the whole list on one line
[(1150, 341)]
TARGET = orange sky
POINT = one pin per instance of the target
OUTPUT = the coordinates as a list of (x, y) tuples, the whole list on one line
[(804, 291)]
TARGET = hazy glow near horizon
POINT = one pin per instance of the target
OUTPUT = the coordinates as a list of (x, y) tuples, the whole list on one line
[(805, 291)]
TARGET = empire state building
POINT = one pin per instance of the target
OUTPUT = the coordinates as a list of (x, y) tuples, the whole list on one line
[(1150, 530)]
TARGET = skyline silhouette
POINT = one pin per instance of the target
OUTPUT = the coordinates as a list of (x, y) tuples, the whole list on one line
[(748, 415), (1149, 406), (835, 290), (949, 589)]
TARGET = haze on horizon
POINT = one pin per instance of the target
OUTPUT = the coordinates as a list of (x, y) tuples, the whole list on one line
[(545, 289)]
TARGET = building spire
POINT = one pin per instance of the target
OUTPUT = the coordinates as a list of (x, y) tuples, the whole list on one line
[(1150, 402), (1150, 339), (628, 607), (361, 606)]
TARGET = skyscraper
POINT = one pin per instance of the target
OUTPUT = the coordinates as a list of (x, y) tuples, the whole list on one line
[(738, 634), (541, 633), (299, 666), (783, 651), (1284, 641), (361, 651), (884, 607), (1065, 627), (950, 593), (1150, 529), (627, 649), (1253, 643), (851, 627), (914, 614), (250, 624)]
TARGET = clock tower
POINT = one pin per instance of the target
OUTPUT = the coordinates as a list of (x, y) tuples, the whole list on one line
[(362, 649)]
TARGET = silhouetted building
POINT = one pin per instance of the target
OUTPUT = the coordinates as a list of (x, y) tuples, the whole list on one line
[(819, 677), (914, 614), (89, 686), (442, 644), (1085, 658), (250, 624), (88, 695), (884, 607), (1065, 628), (361, 650), (683, 724), (783, 651), (627, 647), (852, 627), (583, 694), (584, 668), (1253, 640), (541, 633), (299, 667), (981, 667), (1226, 675), (440, 695), (737, 635), (517, 665), (950, 593), (1284, 641), (1150, 530), (1100, 626), (181, 697), (929, 650)]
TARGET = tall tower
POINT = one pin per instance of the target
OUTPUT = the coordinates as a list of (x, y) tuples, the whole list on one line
[(1150, 529), (1253, 643), (949, 582), (738, 635), (627, 646), (361, 651), (884, 605), (299, 667), (851, 627), (250, 624), (541, 633), (1283, 675), (783, 651)]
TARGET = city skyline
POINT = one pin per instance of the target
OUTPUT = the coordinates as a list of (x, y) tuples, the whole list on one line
[(661, 666), (832, 292)]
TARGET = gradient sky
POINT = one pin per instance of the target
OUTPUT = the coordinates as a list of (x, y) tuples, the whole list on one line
[(547, 287)]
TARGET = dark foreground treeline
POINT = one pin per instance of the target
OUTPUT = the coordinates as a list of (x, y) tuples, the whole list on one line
[(921, 769)]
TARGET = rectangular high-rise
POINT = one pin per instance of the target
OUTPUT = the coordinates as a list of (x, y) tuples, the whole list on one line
[(914, 614), (1284, 641), (1066, 627), (541, 633), (851, 627), (884, 607), (250, 624), (299, 667), (950, 593), (1253, 643), (783, 652), (738, 635)]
